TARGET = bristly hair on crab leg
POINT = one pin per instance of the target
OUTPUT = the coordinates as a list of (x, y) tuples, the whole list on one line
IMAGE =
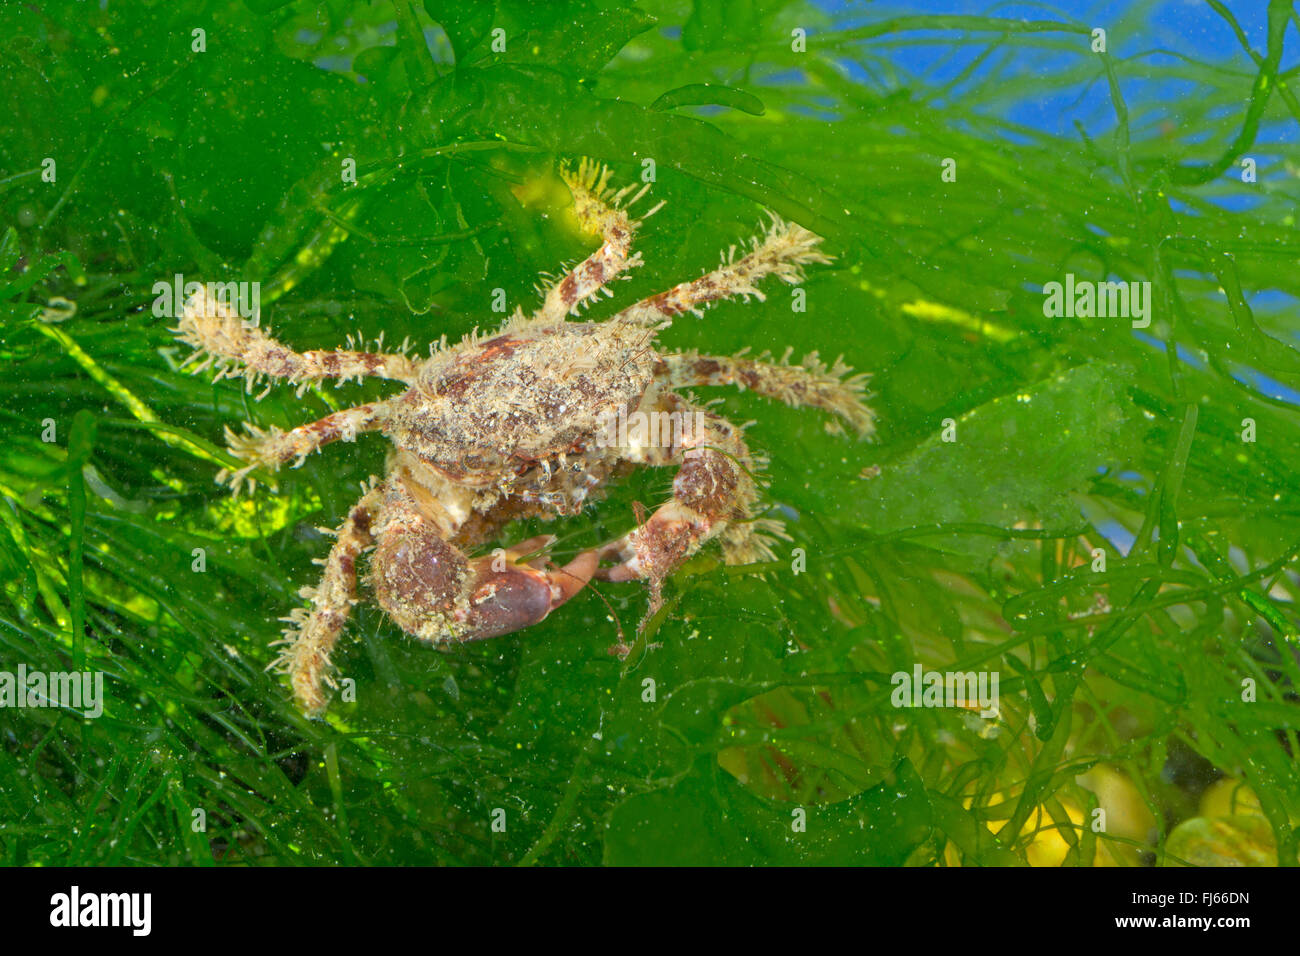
[(603, 213), (273, 447), (781, 251), (313, 632), (811, 383), (223, 339)]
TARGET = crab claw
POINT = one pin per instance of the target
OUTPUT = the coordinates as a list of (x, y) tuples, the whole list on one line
[(519, 591)]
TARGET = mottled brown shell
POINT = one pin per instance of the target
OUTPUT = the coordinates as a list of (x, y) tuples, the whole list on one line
[(503, 405)]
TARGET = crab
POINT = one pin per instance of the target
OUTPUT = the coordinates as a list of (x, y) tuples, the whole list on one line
[(529, 422)]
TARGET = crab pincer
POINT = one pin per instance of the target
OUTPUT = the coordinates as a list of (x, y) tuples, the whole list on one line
[(510, 591)]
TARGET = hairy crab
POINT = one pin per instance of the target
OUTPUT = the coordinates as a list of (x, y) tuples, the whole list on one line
[(529, 422)]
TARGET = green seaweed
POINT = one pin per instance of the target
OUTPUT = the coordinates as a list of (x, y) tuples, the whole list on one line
[(1105, 516)]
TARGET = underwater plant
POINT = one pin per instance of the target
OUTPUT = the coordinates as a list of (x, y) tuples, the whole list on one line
[(1047, 615)]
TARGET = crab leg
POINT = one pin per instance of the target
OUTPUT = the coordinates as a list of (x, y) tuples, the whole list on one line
[(602, 212), (809, 384), (273, 448), (779, 252), (713, 496), (315, 630), (221, 337)]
